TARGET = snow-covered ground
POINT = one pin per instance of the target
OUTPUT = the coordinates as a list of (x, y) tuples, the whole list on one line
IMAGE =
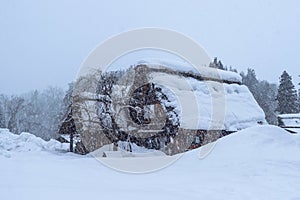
[(261, 162)]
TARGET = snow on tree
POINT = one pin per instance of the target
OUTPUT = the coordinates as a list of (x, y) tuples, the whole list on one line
[(287, 95), (217, 64), (67, 125), (265, 96), (264, 93), (250, 80), (232, 69), (299, 100), (35, 112), (2, 112), (15, 105)]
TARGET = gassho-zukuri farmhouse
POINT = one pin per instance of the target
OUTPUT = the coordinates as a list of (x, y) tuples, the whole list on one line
[(165, 106)]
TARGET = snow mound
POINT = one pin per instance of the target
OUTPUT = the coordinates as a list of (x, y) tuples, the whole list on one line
[(263, 142), (26, 142)]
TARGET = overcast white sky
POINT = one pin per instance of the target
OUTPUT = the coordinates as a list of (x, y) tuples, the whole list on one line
[(44, 42)]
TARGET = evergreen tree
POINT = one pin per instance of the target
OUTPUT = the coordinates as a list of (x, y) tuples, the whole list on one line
[(265, 96), (217, 64), (220, 65), (264, 93), (2, 116), (214, 63), (299, 97), (250, 80), (287, 95), (298, 100), (232, 69)]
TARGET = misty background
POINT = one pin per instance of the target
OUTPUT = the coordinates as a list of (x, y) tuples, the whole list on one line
[(44, 43)]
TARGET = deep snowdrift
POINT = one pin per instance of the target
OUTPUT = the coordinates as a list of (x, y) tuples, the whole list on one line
[(26, 142), (262, 162)]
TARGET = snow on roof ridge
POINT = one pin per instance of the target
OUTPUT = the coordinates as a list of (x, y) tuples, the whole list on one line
[(203, 71), (289, 115)]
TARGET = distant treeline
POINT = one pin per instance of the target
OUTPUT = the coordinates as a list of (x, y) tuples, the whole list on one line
[(42, 112)]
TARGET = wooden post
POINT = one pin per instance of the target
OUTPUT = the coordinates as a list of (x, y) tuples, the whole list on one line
[(71, 142)]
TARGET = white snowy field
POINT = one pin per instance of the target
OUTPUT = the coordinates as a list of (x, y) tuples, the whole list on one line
[(262, 162)]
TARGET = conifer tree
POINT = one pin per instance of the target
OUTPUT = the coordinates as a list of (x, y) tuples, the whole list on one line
[(287, 95)]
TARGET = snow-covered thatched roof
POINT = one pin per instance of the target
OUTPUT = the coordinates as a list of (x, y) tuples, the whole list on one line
[(290, 116), (291, 122), (219, 102)]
